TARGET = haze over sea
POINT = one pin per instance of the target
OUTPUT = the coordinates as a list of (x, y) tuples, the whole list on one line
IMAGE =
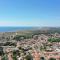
[(13, 29)]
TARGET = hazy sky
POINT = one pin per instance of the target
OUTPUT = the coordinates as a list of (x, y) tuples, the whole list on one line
[(29, 12)]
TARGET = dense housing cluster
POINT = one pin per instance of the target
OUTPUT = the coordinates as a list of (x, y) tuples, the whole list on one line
[(14, 46)]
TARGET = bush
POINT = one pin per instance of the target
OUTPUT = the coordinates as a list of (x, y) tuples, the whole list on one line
[(28, 57), (52, 59), (22, 37), (54, 39)]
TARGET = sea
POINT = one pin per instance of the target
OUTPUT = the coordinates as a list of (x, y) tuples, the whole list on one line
[(13, 29)]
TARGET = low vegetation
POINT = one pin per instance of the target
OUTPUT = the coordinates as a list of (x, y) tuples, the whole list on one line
[(22, 37), (54, 39)]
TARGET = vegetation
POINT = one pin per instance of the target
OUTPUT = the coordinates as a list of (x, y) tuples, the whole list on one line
[(29, 57), (42, 58), (5, 57), (42, 48), (9, 44), (22, 37), (54, 39), (52, 59)]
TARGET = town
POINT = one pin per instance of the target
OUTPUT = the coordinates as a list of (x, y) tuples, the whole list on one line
[(14, 46)]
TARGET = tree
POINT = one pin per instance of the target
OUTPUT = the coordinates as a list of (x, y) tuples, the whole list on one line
[(29, 57), (42, 58), (52, 59), (54, 39)]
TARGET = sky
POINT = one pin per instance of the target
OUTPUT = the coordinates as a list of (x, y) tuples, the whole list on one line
[(30, 13)]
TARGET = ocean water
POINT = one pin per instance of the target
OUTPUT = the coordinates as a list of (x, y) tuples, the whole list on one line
[(13, 29)]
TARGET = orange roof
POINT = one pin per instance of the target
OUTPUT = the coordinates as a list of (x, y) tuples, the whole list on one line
[(51, 52), (54, 57), (36, 55)]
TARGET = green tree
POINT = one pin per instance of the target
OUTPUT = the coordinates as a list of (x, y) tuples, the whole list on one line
[(52, 59)]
